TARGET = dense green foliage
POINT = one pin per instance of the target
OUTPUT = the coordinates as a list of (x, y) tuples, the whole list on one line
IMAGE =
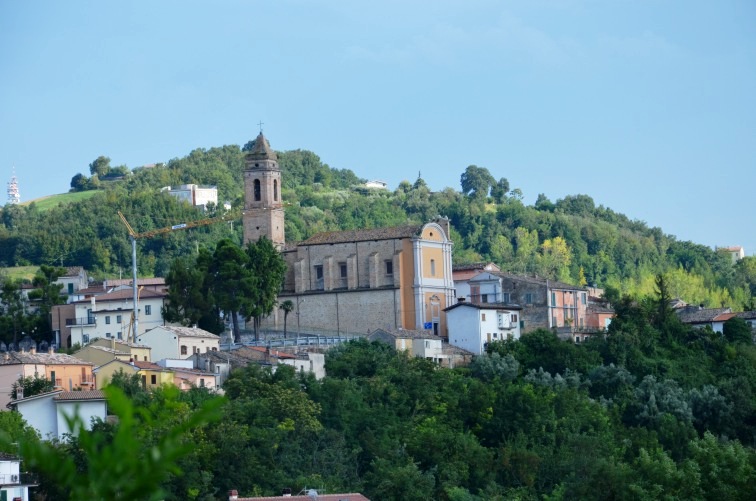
[(655, 410)]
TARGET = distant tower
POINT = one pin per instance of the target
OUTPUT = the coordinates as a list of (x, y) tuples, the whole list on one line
[(14, 197), (263, 209)]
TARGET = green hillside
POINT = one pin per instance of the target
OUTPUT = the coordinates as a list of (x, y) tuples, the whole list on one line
[(46, 203), (570, 239)]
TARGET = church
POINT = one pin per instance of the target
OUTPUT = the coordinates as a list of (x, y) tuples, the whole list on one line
[(350, 282)]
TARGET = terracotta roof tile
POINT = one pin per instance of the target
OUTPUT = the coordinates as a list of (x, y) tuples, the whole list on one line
[(81, 395), (336, 237)]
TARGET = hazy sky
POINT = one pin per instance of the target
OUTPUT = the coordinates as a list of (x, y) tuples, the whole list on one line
[(647, 106)]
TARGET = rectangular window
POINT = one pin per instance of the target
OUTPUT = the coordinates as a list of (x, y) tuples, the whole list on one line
[(120, 335), (483, 316), (343, 270), (148, 309), (553, 299), (505, 297), (107, 334), (184, 350), (553, 321), (118, 319), (153, 379), (202, 383), (70, 288), (484, 298), (514, 318), (107, 320), (529, 298), (389, 267), (433, 267), (319, 271), (582, 297)]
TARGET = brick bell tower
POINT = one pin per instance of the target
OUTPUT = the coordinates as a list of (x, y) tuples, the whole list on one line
[(263, 209)]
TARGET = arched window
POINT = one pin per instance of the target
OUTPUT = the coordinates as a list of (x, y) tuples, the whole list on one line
[(433, 267), (275, 190), (257, 190)]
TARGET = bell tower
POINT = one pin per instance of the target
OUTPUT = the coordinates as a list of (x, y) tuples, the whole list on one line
[(263, 208)]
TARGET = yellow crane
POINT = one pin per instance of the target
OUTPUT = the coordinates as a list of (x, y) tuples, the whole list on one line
[(148, 234)]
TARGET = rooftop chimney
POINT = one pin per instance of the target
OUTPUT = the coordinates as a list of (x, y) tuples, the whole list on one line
[(33, 350), (233, 495), (286, 492)]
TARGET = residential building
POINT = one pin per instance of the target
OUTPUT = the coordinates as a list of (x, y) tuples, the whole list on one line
[(65, 372), (48, 413), (75, 279), (462, 273), (186, 376), (137, 351), (152, 375), (473, 326), (423, 344), (107, 315), (545, 303), (700, 317), (99, 355), (193, 194), (305, 495), (736, 252), (14, 484), (351, 281), (172, 341)]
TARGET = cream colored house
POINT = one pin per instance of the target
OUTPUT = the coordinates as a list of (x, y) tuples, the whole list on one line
[(172, 341), (99, 355), (137, 351)]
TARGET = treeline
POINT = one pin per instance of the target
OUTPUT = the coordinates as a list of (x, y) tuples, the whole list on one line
[(656, 410), (570, 239)]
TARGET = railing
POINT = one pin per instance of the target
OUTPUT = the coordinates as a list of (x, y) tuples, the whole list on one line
[(58, 383), (293, 341), (22, 478), (87, 379), (81, 321)]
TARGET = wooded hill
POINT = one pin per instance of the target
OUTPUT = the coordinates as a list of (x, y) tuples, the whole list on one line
[(571, 239)]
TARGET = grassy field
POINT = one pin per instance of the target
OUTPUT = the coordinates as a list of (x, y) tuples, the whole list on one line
[(46, 203), (20, 272)]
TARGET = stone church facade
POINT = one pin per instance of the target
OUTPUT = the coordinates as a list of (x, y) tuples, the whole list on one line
[(351, 282)]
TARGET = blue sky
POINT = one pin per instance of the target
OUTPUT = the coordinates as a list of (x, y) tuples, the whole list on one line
[(647, 106)]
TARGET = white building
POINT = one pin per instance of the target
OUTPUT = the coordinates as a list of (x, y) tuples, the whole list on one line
[(109, 315), (194, 194), (472, 326), (13, 484), (47, 412), (171, 341)]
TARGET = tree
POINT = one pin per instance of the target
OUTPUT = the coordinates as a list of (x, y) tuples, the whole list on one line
[(13, 307), (31, 386), (737, 330), (267, 270), (100, 166), (500, 190), (190, 300), (47, 293), (79, 182), (287, 307), (476, 182), (233, 285)]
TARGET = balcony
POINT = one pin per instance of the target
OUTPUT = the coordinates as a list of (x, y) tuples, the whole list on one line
[(87, 380), (81, 321)]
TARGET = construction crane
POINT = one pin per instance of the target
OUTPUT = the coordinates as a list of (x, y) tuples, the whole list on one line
[(149, 234)]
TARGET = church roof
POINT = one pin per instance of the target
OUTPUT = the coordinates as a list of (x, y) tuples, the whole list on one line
[(338, 237), (262, 149)]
